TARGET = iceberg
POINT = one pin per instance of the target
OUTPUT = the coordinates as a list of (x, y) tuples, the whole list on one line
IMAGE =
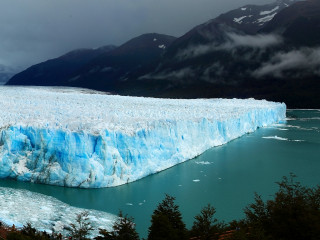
[(83, 138)]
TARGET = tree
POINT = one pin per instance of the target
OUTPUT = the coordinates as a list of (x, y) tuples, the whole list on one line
[(28, 233), (293, 214), (166, 222), (205, 225), (82, 228), (123, 229)]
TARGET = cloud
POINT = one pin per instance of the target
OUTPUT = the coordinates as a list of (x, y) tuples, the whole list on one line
[(253, 41), (37, 30), (307, 59), (214, 72), (169, 75), (232, 41)]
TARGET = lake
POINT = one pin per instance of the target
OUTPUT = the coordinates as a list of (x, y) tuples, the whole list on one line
[(225, 176)]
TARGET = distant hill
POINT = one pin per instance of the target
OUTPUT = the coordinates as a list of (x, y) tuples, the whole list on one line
[(99, 68), (107, 70), (270, 51), (54, 72), (6, 73)]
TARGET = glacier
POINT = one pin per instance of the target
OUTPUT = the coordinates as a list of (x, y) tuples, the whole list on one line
[(83, 138)]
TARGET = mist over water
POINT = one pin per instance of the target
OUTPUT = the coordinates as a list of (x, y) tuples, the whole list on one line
[(225, 176)]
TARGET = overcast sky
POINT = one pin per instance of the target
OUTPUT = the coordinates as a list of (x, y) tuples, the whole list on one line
[(32, 31)]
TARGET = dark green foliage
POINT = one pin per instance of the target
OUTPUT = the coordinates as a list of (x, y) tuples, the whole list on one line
[(205, 226), (81, 229), (293, 214), (123, 229), (28, 233), (166, 222), (18, 236)]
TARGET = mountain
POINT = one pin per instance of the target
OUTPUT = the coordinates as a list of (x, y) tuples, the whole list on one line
[(299, 24), (248, 19), (270, 51), (105, 71), (260, 55), (54, 71), (6, 73), (99, 68)]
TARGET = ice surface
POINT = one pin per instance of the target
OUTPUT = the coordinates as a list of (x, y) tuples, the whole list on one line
[(282, 139), (45, 213), (204, 163), (82, 138), (276, 137)]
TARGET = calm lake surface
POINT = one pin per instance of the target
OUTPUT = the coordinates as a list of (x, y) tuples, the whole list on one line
[(225, 176)]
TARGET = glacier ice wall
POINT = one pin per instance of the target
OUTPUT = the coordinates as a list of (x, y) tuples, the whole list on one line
[(80, 138)]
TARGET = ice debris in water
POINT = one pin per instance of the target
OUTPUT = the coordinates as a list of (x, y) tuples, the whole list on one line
[(18, 206)]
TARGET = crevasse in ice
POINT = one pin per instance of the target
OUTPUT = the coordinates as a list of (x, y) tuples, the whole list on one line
[(81, 138)]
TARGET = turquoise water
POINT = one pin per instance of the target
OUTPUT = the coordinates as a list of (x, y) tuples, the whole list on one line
[(225, 176)]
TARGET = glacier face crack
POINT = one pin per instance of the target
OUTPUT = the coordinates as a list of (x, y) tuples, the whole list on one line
[(66, 137)]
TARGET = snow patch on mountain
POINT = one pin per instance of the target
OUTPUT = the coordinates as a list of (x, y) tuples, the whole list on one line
[(239, 20), (268, 12), (266, 18)]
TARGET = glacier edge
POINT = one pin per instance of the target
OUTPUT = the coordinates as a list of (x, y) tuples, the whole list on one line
[(113, 157)]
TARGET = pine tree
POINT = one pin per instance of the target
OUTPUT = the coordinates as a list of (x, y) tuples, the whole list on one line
[(81, 230), (205, 225), (123, 229), (166, 222), (294, 213)]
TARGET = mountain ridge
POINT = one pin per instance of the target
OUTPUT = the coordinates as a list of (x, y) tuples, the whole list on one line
[(251, 51)]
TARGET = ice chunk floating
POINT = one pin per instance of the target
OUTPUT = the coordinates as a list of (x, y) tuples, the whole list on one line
[(81, 138)]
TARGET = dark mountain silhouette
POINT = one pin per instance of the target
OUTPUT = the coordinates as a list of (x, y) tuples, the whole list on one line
[(222, 58), (107, 70), (299, 24), (270, 51), (100, 68), (54, 71)]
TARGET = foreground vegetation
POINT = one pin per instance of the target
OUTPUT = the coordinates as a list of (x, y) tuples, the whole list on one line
[(293, 213)]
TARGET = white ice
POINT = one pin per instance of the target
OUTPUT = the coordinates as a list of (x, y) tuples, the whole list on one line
[(266, 18), (239, 20), (283, 139), (268, 12), (276, 137), (204, 163), (18, 206), (82, 138)]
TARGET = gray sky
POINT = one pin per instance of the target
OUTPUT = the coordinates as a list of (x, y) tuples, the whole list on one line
[(32, 31)]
